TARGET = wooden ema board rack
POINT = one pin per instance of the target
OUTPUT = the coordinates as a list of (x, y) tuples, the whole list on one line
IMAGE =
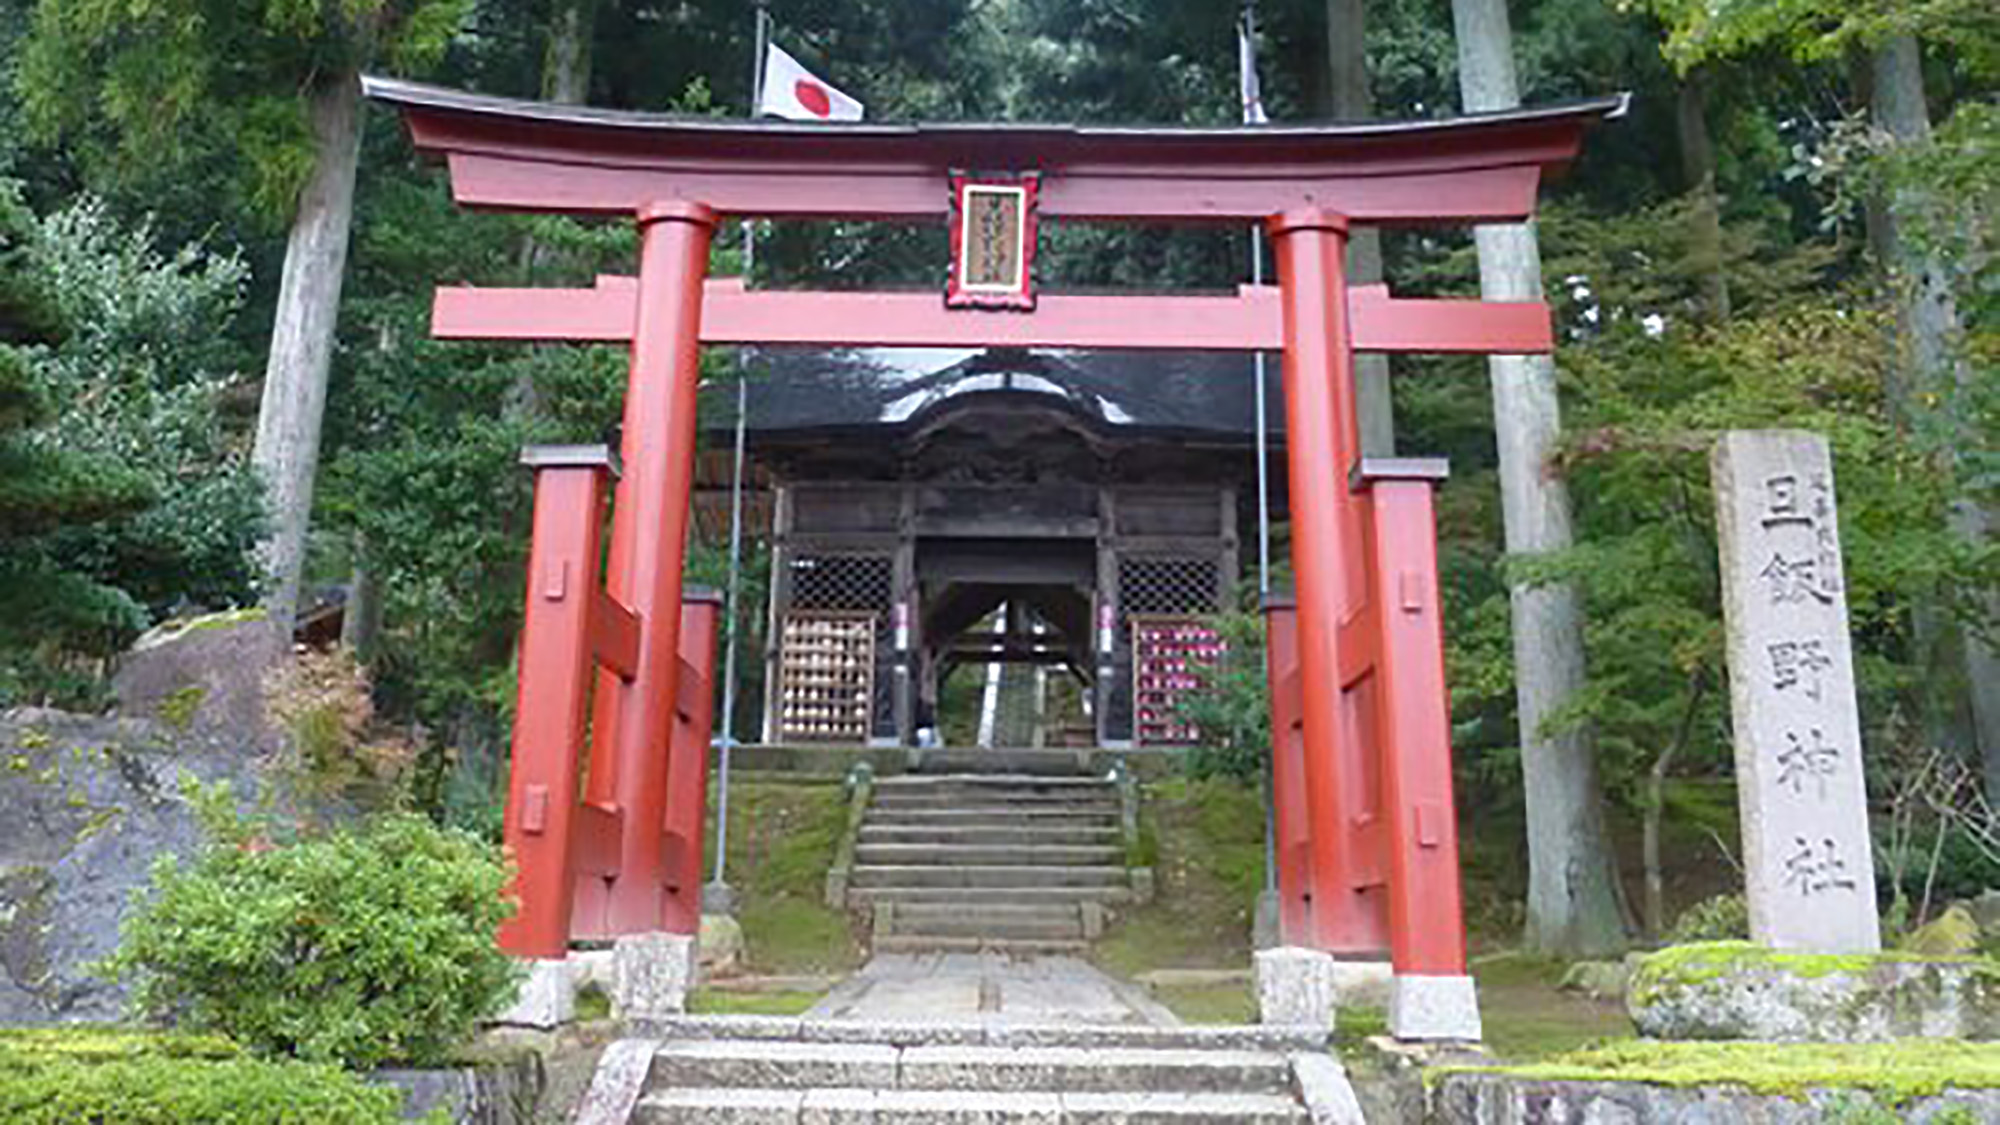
[(827, 676), (1168, 655)]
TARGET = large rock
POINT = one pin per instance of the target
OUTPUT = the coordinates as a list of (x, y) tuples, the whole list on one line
[(204, 676), (1736, 990), (88, 804)]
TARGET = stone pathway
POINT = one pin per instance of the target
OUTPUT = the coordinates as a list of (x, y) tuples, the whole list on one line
[(989, 988)]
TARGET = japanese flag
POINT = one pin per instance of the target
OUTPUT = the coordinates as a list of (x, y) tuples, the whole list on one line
[(791, 91)]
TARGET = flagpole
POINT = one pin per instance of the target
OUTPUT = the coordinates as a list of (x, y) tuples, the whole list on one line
[(727, 743), (1248, 64)]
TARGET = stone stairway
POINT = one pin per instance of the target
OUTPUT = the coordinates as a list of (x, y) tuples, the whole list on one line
[(1012, 862), (743, 1069)]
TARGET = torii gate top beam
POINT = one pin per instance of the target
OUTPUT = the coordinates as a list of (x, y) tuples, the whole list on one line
[(533, 156)]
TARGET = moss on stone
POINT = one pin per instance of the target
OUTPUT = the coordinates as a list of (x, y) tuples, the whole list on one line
[(1897, 1071), (1682, 966), (226, 618), (178, 708)]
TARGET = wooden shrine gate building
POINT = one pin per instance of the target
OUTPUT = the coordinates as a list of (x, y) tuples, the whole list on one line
[(1095, 495), (615, 669)]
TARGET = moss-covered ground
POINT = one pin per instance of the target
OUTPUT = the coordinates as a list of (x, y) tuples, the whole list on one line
[(1900, 1070), (1705, 961), (1527, 1017), (1205, 842), (1209, 1003), (718, 1002), (782, 837)]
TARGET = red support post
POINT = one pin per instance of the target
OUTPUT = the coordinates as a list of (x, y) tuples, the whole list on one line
[(1322, 440), (555, 682), (1426, 931), (687, 766), (649, 548)]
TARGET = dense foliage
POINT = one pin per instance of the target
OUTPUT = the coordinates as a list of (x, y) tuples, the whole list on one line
[(62, 1075), (123, 497), (358, 947)]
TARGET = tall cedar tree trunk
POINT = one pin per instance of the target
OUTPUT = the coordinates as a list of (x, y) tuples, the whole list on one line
[(1349, 99), (1698, 175), (302, 335), (566, 67), (1928, 323), (1575, 904)]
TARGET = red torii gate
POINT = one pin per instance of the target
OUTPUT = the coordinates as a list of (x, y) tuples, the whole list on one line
[(1362, 759)]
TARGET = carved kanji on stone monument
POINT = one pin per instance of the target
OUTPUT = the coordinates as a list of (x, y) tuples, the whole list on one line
[(1806, 854)]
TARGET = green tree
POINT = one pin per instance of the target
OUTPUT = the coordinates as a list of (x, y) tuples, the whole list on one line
[(124, 493), (273, 88), (51, 615)]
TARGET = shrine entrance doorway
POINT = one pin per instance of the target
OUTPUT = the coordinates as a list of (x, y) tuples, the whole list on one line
[(1361, 762)]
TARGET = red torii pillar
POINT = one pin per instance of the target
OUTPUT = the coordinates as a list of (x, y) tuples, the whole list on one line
[(634, 722)]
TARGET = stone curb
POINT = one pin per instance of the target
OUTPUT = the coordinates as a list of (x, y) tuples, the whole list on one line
[(1260, 1038), (620, 1080)]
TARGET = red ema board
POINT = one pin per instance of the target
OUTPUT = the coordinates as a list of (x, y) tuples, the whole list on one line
[(1169, 655)]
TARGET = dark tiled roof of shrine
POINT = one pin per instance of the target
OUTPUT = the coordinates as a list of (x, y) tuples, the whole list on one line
[(799, 390)]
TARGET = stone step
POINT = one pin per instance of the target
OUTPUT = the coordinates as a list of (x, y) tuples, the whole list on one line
[(1094, 1071), (1244, 1037), (780, 1064), (873, 832), (987, 875), (940, 943), (1048, 788), (843, 1106), (988, 816), (900, 782), (993, 800), (1064, 762), (988, 855), (773, 1064), (964, 897), (1030, 922)]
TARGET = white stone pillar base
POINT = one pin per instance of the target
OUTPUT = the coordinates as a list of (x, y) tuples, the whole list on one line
[(1434, 1008), (1295, 987), (547, 997), (652, 975)]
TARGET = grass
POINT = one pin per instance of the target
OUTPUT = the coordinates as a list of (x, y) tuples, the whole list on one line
[(1899, 1070), (782, 837), (1209, 1003), (1527, 1018), (715, 1002), (1208, 841)]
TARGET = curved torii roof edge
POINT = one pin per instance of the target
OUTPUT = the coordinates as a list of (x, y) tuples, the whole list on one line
[(511, 154)]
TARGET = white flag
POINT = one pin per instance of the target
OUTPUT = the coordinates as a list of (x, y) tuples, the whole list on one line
[(791, 91), (1246, 68)]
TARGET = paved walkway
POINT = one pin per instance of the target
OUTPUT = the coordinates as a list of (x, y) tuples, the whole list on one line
[(989, 988)]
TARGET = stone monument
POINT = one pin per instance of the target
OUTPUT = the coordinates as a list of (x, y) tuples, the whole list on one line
[(1806, 855)]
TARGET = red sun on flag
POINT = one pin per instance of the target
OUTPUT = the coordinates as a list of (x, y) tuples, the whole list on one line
[(812, 95), (797, 94)]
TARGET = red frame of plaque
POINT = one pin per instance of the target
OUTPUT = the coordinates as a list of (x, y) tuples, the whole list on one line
[(962, 294)]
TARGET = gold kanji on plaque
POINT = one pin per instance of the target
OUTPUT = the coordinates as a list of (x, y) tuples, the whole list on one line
[(993, 231)]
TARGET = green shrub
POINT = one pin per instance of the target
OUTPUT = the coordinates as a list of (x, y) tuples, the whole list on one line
[(58, 1076), (359, 947), (1722, 918)]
